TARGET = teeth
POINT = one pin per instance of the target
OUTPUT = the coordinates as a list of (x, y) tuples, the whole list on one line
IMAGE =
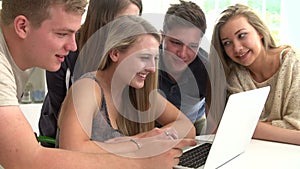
[(142, 75), (242, 54)]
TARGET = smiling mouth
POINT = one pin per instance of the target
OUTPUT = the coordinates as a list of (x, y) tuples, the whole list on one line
[(243, 54), (60, 56), (142, 75)]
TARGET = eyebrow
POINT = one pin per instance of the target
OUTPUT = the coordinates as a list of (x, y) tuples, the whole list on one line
[(237, 32), (65, 29), (191, 43)]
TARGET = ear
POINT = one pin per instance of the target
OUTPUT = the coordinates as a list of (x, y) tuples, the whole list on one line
[(114, 55), (21, 25), (260, 35)]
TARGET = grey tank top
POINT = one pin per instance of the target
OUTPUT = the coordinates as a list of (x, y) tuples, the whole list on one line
[(101, 127)]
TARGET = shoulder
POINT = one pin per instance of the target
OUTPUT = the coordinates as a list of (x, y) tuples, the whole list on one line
[(290, 57), (86, 84), (86, 94), (285, 51), (8, 88)]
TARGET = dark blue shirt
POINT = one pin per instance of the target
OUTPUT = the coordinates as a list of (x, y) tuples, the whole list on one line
[(189, 91)]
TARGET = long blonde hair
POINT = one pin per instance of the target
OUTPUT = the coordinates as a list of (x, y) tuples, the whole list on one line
[(220, 63), (122, 33), (253, 19)]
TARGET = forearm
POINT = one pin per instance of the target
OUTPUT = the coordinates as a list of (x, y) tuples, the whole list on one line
[(123, 145), (70, 159), (266, 131)]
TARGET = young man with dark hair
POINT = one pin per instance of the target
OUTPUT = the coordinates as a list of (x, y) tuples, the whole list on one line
[(183, 75)]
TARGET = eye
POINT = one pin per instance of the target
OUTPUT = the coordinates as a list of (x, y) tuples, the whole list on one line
[(144, 57), (61, 35), (226, 43), (176, 42), (242, 35), (193, 47)]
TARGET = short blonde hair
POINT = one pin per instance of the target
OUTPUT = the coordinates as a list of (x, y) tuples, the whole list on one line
[(37, 10)]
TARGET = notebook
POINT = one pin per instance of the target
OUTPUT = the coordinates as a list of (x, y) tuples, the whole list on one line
[(234, 133)]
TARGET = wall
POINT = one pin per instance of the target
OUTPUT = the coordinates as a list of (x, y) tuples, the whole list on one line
[(289, 28)]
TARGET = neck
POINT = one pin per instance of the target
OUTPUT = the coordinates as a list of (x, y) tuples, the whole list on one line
[(15, 47), (112, 91), (266, 65)]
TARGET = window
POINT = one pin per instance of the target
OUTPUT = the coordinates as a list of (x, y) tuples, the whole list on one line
[(277, 15)]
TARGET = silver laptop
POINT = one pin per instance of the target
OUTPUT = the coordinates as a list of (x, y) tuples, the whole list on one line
[(234, 133)]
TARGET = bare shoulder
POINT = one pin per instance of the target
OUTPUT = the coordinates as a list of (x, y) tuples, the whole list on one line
[(85, 94)]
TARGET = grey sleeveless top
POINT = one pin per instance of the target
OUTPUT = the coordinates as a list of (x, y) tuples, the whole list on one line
[(101, 129)]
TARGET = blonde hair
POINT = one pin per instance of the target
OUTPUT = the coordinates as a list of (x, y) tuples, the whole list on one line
[(253, 19), (123, 33), (220, 63), (37, 10)]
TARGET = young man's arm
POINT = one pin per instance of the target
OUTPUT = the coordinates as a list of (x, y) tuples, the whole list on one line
[(20, 149)]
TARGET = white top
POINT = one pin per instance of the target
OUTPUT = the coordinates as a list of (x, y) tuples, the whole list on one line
[(12, 79)]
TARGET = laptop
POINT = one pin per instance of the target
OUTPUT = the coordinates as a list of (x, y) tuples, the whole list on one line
[(234, 133)]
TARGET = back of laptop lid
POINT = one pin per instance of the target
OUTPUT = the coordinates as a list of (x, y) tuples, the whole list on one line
[(237, 126)]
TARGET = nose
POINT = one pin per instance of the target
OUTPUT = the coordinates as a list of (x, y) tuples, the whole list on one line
[(181, 52), (151, 64), (71, 44), (237, 47)]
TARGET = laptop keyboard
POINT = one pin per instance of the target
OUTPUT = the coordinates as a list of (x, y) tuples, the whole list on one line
[(195, 157)]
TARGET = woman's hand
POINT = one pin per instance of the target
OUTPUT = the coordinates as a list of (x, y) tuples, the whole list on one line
[(159, 133), (156, 133)]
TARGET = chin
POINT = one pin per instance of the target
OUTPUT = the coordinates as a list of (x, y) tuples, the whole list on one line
[(53, 68), (137, 86)]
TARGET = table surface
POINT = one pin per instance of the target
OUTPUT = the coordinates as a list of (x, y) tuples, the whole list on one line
[(261, 154)]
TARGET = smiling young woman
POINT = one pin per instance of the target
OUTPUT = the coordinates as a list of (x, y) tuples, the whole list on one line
[(251, 60)]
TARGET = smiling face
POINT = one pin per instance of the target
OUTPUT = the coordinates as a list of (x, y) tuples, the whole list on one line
[(242, 43), (135, 64), (180, 48), (48, 44)]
